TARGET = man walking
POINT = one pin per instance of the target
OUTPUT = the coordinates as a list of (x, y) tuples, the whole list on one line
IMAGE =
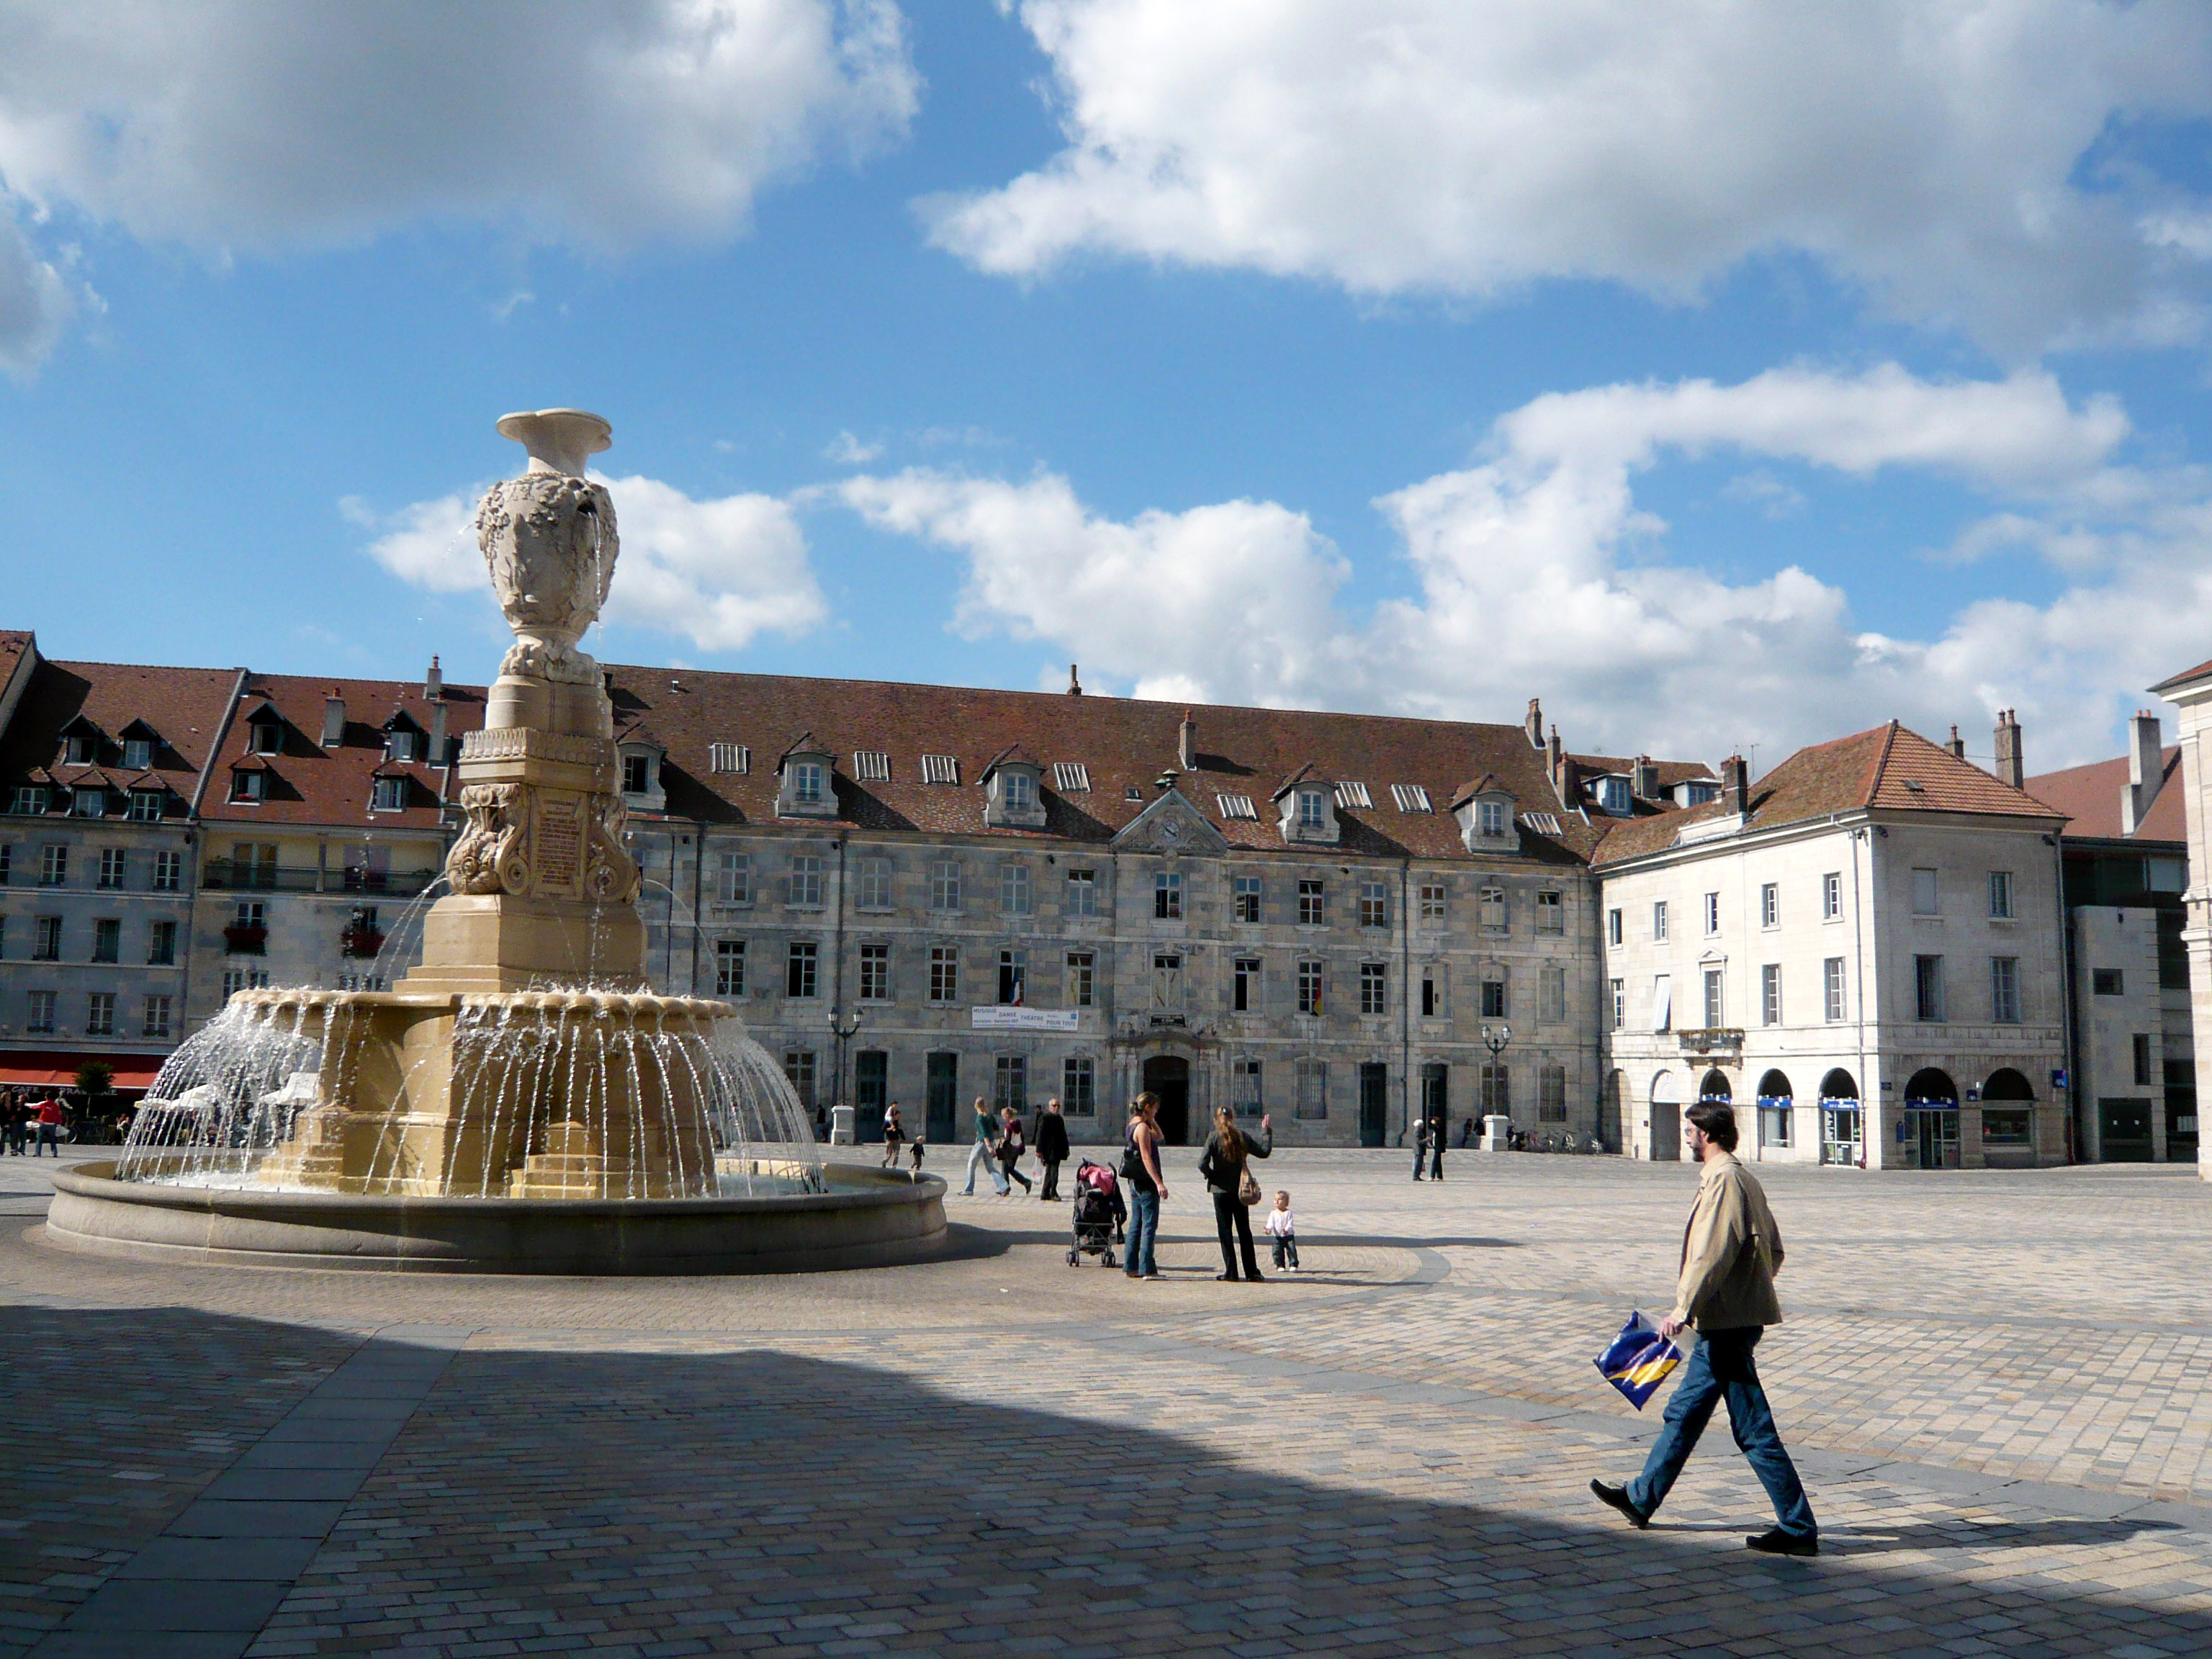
[(1148, 1185), (985, 1152), (1730, 1253), (1048, 1136)]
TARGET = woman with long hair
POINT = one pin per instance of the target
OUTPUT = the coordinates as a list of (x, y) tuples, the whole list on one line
[(1224, 1166)]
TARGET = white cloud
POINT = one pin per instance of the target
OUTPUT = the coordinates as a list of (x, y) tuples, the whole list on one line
[(1234, 596), (276, 123), (1950, 156), (36, 301), (1539, 574), (719, 572), (846, 450)]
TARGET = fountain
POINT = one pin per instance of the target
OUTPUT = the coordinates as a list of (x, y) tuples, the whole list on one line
[(522, 1101)]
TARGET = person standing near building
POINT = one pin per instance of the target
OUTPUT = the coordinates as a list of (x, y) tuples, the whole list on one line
[(1011, 1149), (1420, 1146), (1439, 1132), (1730, 1253), (1223, 1166), (985, 1152), (1049, 1137), (893, 1136), (51, 1118), (1148, 1187)]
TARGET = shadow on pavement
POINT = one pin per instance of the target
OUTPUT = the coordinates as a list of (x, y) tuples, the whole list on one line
[(722, 1498)]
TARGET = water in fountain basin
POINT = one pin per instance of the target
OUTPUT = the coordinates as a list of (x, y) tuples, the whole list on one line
[(552, 1063)]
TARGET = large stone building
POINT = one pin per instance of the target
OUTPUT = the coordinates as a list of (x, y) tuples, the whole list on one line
[(1863, 944), (2126, 870), (925, 894)]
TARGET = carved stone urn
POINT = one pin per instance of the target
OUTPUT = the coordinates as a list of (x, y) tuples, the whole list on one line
[(549, 538)]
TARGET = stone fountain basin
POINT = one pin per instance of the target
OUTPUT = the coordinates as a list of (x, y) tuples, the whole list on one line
[(870, 1217)]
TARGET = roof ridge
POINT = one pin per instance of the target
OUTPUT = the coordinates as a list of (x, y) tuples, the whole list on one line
[(1881, 761)]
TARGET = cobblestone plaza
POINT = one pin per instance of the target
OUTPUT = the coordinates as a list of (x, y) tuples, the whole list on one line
[(1995, 1384)]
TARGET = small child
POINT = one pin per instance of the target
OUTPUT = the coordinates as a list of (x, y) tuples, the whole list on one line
[(1284, 1227)]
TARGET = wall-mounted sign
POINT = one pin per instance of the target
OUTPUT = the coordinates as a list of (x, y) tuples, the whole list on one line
[(996, 1019)]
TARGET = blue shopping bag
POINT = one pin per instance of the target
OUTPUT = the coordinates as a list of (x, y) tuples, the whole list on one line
[(1638, 1360)]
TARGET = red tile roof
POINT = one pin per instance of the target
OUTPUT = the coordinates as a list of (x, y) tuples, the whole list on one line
[(2185, 677), (1888, 769), (183, 706), (310, 784), (1125, 744), (2089, 796)]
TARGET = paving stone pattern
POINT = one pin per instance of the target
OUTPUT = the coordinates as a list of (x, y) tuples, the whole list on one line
[(1996, 1385)]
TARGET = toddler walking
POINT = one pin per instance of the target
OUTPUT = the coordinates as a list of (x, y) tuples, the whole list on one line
[(1283, 1227)]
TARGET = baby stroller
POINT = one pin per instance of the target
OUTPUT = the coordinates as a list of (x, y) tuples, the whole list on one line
[(1099, 1213)]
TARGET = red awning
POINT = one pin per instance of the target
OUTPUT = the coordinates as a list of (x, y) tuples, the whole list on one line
[(56, 1068)]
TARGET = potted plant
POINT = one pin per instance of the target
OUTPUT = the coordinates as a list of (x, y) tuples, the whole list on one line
[(246, 938)]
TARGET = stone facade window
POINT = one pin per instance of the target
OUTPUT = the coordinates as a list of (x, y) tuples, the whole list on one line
[(1489, 909), (1432, 993), (733, 879), (1078, 1086), (1167, 979), (38, 1017), (47, 939), (1494, 994), (1831, 984), (1374, 904), (1770, 994), (1010, 1084), (1374, 985), (1014, 977), (99, 1014), (1493, 1087), (1167, 896), (107, 940), (1927, 990), (112, 866), (168, 871), (1313, 904), (798, 1068), (1247, 1094), (1551, 1094), (1082, 893), (944, 973), (53, 866), (944, 885), (1310, 987), (2004, 990), (874, 888), (1247, 895), (1831, 897), (1551, 994), (1550, 912), (805, 890), (1432, 903), (875, 973), (1014, 890), (729, 967), (156, 1022), (801, 966), (1244, 986), (1312, 1077), (1082, 968), (161, 945), (2001, 896)]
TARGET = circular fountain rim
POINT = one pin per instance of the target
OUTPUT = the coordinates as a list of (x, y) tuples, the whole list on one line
[(871, 1216)]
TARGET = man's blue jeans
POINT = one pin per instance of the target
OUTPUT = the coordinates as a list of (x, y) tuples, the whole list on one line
[(1721, 1366), (1144, 1233)]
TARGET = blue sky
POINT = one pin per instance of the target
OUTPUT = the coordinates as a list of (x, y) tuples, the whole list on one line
[(1739, 376)]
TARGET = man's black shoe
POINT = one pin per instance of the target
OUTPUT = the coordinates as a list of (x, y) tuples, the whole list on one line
[(1617, 1497), (1775, 1541)]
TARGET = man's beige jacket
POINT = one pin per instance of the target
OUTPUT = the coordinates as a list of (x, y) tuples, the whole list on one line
[(1730, 1251)]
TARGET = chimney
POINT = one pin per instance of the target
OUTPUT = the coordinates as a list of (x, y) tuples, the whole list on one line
[(1556, 759), (433, 683), (1736, 783), (1643, 781), (2146, 771), (437, 755), (1075, 685), (1535, 724), (1958, 745), (333, 719), (1186, 743), (2009, 768)]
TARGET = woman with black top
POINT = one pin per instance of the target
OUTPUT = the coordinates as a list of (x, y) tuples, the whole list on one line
[(1223, 1166)]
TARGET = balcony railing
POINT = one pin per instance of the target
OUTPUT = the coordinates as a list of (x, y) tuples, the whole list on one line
[(230, 875), (1716, 1039)]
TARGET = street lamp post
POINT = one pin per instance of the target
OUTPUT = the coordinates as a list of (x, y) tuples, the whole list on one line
[(1494, 1038), (842, 1033)]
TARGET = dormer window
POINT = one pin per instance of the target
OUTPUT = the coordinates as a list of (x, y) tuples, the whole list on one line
[(249, 785), (806, 787), (404, 745), (1013, 785), (637, 775), (390, 795), (78, 749), (1698, 794), (1313, 809), (1492, 816), (89, 803), (1486, 810), (138, 754), (264, 736), (147, 805), (1613, 796)]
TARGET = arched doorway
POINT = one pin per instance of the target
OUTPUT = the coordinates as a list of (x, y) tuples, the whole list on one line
[(1843, 1125), (2009, 1120), (1168, 1076), (1666, 1118), (1716, 1086), (1778, 1126), (1929, 1129)]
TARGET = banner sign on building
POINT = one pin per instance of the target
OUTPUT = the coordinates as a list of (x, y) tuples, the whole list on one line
[(1024, 1019)]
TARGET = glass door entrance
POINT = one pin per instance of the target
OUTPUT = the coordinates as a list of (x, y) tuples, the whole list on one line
[(1843, 1134), (1932, 1137)]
